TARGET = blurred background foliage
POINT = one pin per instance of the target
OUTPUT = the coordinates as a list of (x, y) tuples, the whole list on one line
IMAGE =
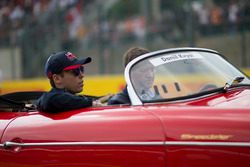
[(33, 29)]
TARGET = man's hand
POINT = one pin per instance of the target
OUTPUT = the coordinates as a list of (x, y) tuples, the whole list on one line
[(105, 98), (97, 103), (102, 100)]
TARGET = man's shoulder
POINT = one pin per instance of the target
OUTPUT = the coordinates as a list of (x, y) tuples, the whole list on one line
[(56, 101), (52, 94), (119, 98)]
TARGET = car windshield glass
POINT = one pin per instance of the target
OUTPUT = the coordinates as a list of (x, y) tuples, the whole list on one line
[(180, 74)]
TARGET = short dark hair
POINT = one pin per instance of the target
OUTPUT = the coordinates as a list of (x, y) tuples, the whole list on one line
[(132, 53), (52, 83)]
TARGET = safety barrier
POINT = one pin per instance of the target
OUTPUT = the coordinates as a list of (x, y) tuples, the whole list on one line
[(93, 85)]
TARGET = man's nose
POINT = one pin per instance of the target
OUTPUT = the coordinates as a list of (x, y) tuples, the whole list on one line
[(81, 75)]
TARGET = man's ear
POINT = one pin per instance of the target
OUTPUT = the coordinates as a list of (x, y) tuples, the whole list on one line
[(57, 79)]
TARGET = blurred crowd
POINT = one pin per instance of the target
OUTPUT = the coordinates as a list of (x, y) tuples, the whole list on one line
[(38, 27), (209, 19), (19, 15), (229, 16), (204, 19), (174, 24)]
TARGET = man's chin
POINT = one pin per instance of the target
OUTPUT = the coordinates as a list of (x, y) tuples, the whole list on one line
[(147, 87), (79, 91)]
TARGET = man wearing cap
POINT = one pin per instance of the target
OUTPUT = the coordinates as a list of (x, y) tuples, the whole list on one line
[(66, 74)]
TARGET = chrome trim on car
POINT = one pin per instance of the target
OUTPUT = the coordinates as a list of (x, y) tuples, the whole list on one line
[(196, 143), (11, 144), (168, 143)]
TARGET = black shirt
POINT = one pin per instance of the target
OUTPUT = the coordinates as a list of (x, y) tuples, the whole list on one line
[(57, 100)]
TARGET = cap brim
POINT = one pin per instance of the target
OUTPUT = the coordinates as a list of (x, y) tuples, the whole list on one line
[(78, 63), (84, 61)]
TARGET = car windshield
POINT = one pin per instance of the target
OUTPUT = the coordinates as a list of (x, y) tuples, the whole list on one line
[(180, 74)]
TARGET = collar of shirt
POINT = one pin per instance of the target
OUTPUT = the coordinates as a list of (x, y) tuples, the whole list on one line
[(147, 95), (57, 90)]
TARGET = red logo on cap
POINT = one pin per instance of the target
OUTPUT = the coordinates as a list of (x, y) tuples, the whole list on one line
[(70, 56)]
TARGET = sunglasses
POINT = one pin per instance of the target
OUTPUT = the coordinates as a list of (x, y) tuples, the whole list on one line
[(77, 71)]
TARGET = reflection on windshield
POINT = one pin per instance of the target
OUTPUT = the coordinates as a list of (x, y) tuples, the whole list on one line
[(143, 76), (180, 74)]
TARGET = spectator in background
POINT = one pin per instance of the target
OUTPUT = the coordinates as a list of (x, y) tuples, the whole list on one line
[(233, 11), (203, 16), (130, 54), (245, 15), (216, 18), (16, 18)]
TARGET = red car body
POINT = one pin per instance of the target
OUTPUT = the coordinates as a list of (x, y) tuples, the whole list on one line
[(208, 130)]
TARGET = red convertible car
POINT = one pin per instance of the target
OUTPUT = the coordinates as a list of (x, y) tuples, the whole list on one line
[(189, 108)]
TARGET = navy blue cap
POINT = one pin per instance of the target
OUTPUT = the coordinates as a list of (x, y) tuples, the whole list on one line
[(64, 60)]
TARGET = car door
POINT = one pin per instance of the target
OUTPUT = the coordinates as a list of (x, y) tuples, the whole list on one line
[(6, 117), (205, 136), (115, 136)]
